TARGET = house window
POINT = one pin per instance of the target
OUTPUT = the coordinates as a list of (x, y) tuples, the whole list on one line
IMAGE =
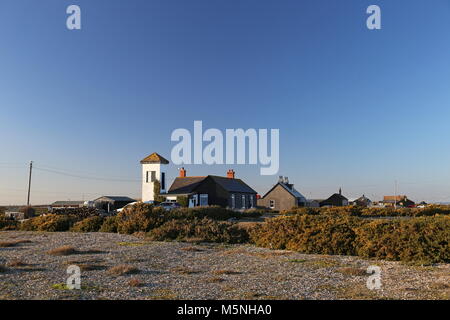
[(271, 204), (150, 176), (243, 202), (251, 202), (163, 181), (233, 201), (203, 200)]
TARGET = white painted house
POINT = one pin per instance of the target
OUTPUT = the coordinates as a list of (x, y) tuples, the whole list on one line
[(153, 168)]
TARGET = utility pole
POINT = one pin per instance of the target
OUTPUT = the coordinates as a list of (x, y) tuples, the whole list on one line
[(395, 196), (29, 184)]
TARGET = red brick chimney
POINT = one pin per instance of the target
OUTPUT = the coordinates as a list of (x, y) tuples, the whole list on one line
[(182, 173), (230, 174)]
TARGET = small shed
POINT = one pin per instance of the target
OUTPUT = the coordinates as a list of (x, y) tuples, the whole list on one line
[(111, 203)]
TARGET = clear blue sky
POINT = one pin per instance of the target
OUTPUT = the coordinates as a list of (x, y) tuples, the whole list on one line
[(356, 109)]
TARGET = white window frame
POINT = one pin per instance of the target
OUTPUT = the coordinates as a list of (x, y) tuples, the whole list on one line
[(233, 201), (244, 201), (271, 204), (202, 198)]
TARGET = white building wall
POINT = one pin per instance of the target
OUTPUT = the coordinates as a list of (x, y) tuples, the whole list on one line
[(147, 187)]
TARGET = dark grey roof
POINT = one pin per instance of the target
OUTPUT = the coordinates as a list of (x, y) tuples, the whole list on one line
[(116, 198), (335, 197), (188, 185), (185, 185), (363, 198), (233, 185), (289, 188)]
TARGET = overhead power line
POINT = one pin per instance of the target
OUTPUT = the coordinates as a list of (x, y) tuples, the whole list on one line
[(68, 174)]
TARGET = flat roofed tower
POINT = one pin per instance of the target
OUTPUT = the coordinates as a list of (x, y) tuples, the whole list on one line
[(153, 168)]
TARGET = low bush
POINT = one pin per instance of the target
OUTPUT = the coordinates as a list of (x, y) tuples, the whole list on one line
[(254, 213), (82, 213), (371, 212), (422, 239), (307, 234), (7, 224), (203, 230), (144, 217), (91, 224), (109, 224), (50, 223), (141, 217), (210, 212)]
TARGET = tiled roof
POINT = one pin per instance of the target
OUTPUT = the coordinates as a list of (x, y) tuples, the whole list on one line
[(155, 158)]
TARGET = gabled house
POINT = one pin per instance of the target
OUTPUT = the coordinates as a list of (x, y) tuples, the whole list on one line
[(227, 192), (336, 200), (362, 201), (282, 196), (400, 201)]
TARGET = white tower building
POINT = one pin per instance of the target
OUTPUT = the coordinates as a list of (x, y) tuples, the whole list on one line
[(153, 168)]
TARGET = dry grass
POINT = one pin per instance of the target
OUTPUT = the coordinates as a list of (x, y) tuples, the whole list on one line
[(194, 240), (352, 271), (184, 270), (135, 283), (62, 251), (225, 272), (123, 269), (440, 286), (358, 292), (163, 294), (7, 244), (322, 263), (16, 263)]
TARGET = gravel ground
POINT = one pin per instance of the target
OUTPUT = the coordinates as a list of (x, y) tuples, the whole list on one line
[(172, 270)]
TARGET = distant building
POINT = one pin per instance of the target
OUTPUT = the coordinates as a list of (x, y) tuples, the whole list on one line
[(422, 204), (282, 196), (14, 215), (400, 201), (313, 203), (111, 203), (336, 200), (66, 204), (213, 190), (362, 201)]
